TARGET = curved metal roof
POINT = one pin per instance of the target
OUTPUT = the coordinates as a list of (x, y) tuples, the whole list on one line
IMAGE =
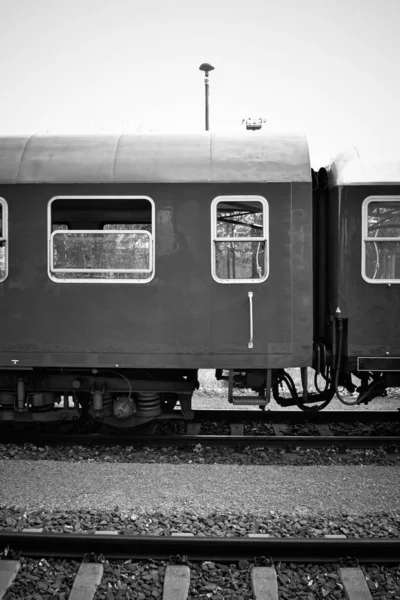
[(203, 157), (354, 167)]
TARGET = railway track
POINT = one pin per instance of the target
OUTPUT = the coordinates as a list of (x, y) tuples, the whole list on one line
[(298, 416), (182, 552), (184, 441), (113, 545), (280, 422)]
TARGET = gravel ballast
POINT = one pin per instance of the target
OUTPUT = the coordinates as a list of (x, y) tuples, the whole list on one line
[(275, 524), (202, 455), (139, 580), (204, 488), (43, 579)]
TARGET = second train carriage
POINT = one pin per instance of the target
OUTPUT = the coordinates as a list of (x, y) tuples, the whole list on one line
[(357, 272), (130, 262)]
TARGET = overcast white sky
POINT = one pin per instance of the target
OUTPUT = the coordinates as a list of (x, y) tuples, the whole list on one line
[(328, 68)]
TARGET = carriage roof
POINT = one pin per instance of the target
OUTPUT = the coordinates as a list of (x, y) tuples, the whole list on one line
[(357, 166), (203, 157)]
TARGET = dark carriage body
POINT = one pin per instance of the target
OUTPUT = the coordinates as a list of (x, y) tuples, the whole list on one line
[(180, 313), (182, 317), (362, 268)]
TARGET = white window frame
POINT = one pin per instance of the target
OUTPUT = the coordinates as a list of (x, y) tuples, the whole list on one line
[(51, 234), (215, 238), (365, 238), (4, 236)]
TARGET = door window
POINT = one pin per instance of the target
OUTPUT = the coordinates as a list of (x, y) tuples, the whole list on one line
[(239, 250), (381, 239), (3, 240)]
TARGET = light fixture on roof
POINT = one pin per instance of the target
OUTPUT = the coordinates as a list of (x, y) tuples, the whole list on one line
[(253, 124)]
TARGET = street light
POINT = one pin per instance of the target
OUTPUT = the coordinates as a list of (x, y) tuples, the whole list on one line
[(206, 67)]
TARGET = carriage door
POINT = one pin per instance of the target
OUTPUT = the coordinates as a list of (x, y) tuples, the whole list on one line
[(239, 259)]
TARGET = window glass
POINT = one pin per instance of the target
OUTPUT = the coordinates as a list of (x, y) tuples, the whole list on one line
[(3, 240), (384, 219), (239, 219), (382, 239), (97, 251), (382, 260), (240, 260), (87, 245), (240, 250)]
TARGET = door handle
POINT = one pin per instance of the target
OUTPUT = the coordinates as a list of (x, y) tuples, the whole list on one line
[(250, 295)]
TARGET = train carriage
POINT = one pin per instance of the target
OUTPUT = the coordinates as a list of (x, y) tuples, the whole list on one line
[(129, 262), (357, 224)]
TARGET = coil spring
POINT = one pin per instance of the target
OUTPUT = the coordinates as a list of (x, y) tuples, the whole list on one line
[(148, 404)]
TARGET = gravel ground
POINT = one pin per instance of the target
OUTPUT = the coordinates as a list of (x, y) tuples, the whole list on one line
[(131, 580), (201, 487), (202, 455), (309, 581), (383, 581)]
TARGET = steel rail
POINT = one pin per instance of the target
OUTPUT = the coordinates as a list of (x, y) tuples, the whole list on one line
[(268, 416), (298, 416), (73, 545), (183, 441)]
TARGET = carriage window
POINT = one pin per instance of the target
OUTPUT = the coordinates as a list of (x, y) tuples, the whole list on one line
[(101, 239), (3, 240), (239, 239), (381, 239)]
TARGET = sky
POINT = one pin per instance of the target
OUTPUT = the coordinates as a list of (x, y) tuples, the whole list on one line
[(326, 68)]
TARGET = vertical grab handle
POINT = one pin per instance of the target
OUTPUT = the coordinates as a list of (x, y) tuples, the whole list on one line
[(250, 295)]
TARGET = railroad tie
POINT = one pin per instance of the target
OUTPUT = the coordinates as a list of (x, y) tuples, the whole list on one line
[(86, 581), (237, 429), (279, 429), (264, 583), (176, 582), (354, 584), (193, 428), (323, 429), (8, 571)]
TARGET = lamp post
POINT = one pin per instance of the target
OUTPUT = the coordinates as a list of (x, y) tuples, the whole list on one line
[(206, 67)]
